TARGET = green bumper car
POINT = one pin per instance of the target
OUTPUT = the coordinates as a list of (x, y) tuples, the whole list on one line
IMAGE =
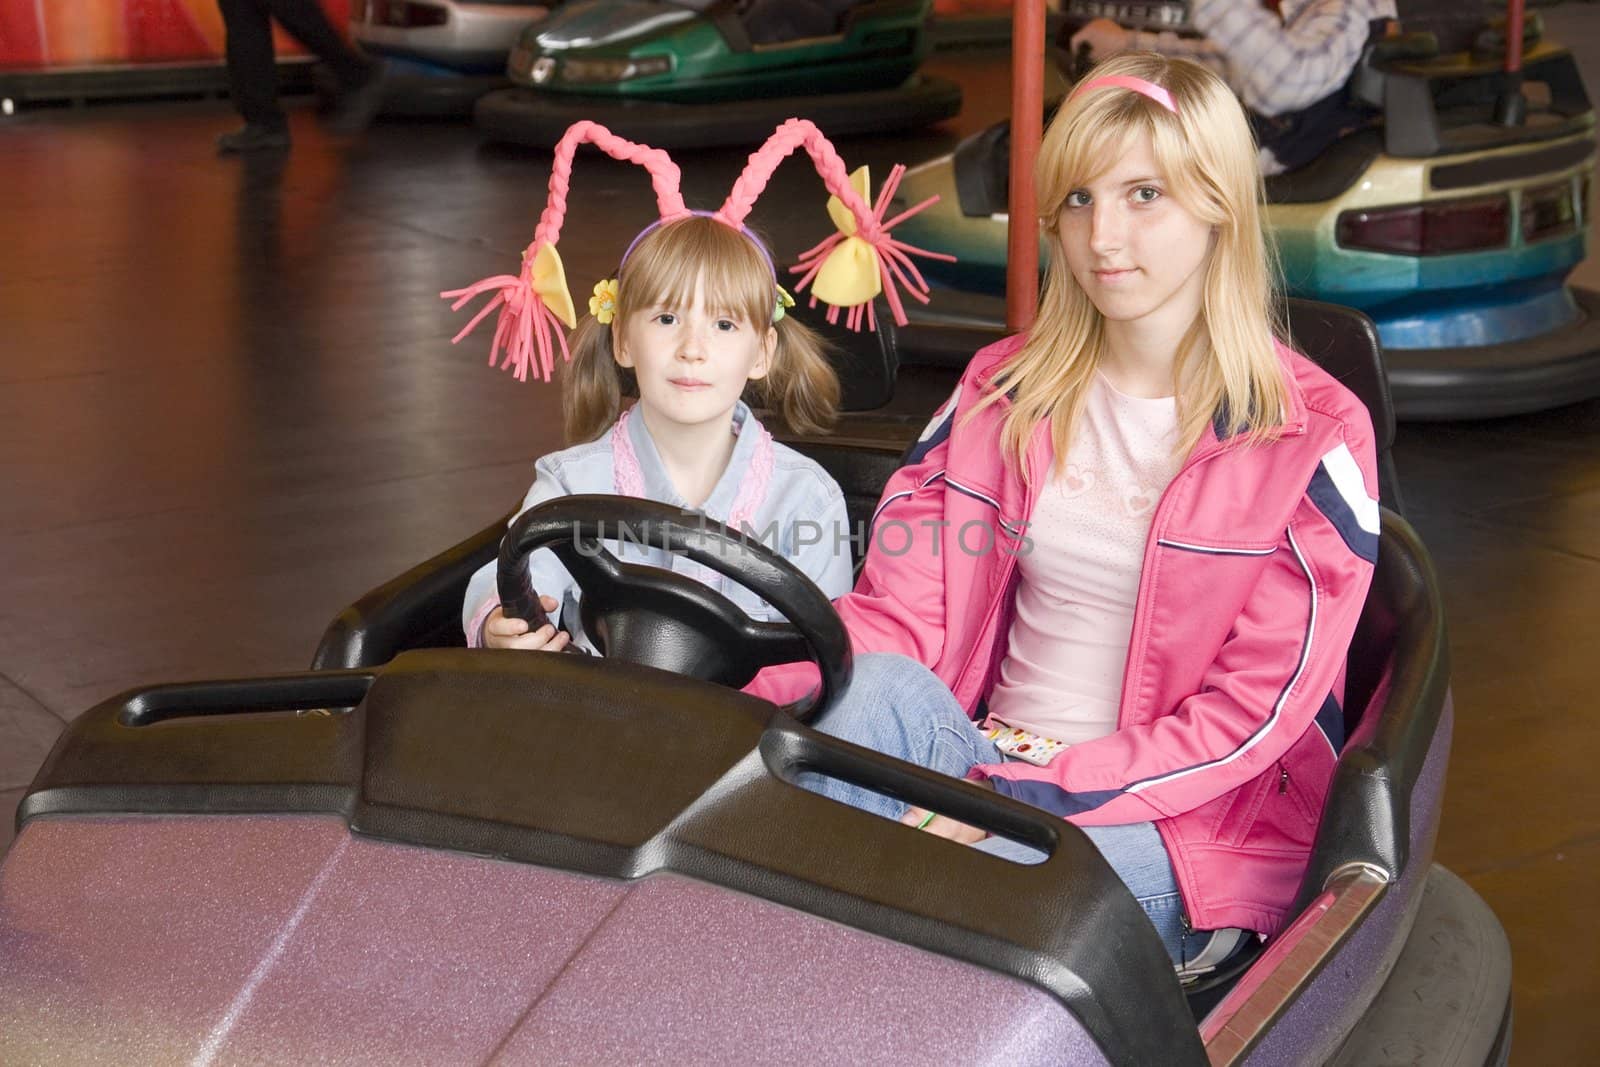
[(703, 73)]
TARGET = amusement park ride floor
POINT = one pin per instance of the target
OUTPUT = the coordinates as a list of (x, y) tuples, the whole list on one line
[(228, 407)]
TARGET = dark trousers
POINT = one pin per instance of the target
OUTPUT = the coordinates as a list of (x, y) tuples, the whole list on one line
[(252, 68)]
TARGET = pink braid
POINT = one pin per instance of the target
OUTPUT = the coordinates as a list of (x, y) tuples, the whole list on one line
[(795, 133), (664, 176), (895, 268), (527, 329)]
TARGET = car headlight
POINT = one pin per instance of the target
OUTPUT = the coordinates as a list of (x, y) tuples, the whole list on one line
[(613, 70)]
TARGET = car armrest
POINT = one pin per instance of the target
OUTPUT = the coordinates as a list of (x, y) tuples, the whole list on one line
[(419, 609), (1290, 963)]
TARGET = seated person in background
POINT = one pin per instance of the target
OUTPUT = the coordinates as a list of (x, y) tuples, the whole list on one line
[(1288, 62)]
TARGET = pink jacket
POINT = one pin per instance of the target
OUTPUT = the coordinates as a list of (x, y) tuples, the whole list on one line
[(1255, 571)]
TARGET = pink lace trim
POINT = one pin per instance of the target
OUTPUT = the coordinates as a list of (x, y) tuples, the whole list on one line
[(753, 488), (479, 618), (627, 477)]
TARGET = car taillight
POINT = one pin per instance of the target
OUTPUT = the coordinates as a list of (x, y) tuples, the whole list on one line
[(405, 14), (1548, 211), (1432, 229)]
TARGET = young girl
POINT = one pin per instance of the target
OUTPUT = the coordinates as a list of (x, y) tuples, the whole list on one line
[(694, 317), (1184, 520)]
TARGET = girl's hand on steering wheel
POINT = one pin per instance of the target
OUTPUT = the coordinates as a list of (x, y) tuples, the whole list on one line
[(501, 632)]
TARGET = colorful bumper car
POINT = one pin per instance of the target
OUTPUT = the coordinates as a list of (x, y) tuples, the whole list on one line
[(698, 73), (443, 54), (1451, 222), (430, 854)]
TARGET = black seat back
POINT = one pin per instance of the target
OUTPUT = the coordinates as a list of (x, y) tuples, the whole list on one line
[(1344, 342), (865, 360)]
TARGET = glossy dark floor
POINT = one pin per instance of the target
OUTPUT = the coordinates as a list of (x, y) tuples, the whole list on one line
[(228, 406)]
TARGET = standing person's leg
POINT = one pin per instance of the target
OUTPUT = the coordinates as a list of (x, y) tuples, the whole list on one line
[(360, 80), (308, 23), (252, 68), (898, 707)]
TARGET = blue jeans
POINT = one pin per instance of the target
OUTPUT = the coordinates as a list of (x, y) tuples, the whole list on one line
[(898, 707)]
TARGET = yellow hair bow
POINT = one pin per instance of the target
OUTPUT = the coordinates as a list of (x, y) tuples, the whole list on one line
[(548, 278), (850, 274)]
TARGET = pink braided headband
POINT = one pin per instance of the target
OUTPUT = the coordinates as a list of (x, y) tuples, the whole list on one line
[(535, 303), (1127, 81)]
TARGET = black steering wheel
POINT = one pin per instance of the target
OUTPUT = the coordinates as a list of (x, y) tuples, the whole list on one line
[(662, 619)]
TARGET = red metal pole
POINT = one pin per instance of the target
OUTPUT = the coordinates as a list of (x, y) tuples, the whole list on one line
[(1027, 129), (1514, 10)]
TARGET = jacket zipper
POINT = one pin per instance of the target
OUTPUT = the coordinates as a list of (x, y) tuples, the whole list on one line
[(1141, 599), (1283, 779), (1030, 497)]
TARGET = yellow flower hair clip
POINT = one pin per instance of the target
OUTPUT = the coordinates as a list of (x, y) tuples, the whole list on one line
[(603, 304), (785, 302)]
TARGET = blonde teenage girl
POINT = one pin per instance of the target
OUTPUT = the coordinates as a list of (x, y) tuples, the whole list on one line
[(1157, 526)]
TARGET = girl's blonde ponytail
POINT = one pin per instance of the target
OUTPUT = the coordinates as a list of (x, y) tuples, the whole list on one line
[(592, 391), (801, 385)]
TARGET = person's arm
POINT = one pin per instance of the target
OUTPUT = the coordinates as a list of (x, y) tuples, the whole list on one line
[(1202, 50), (1262, 691), (898, 602), (550, 578), (1106, 38), (1278, 67), (827, 560)]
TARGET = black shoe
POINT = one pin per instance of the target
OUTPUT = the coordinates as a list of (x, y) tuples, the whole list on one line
[(357, 107), (253, 138)]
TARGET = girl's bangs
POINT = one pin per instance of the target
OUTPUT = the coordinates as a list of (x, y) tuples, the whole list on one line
[(1094, 137), (1099, 133), (1185, 173), (699, 254)]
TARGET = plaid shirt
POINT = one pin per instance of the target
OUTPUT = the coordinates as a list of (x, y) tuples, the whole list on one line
[(1276, 63)]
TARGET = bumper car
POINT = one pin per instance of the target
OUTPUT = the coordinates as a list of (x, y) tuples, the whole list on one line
[(699, 73), (1451, 224), (427, 854), (443, 54)]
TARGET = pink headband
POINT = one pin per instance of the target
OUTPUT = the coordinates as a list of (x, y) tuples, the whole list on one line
[(846, 271), (1126, 81)]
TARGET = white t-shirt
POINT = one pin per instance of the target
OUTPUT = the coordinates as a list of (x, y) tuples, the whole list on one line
[(1068, 646)]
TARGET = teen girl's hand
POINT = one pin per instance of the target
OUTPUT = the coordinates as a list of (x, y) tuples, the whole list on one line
[(501, 632), (959, 832)]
